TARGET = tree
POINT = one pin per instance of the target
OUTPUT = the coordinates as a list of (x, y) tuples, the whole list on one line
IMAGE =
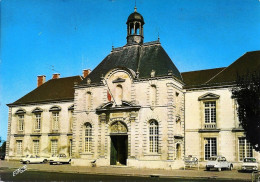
[(3, 147), (247, 94)]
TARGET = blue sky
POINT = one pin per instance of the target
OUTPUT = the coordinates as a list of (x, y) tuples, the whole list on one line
[(72, 35)]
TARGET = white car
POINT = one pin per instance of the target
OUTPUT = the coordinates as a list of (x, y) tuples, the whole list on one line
[(219, 163), (59, 159), (249, 164), (33, 159)]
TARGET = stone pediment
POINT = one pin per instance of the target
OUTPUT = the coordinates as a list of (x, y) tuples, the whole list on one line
[(118, 80), (209, 96), (109, 106), (20, 111), (36, 110)]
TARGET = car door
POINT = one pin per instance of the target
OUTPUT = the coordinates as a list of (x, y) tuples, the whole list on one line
[(225, 163)]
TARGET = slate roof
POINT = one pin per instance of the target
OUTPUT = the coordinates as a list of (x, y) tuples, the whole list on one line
[(248, 63), (142, 58), (195, 78), (52, 90)]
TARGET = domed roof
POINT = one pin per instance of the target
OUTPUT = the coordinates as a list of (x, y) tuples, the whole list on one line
[(135, 16)]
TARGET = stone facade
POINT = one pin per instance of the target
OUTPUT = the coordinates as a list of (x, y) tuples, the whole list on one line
[(135, 110), (32, 127), (225, 130)]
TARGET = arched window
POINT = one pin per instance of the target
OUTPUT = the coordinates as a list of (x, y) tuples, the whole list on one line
[(138, 31), (88, 137), (88, 100), (153, 95), (119, 94), (154, 136)]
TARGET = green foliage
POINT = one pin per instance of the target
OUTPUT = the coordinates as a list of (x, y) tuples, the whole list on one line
[(247, 95), (2, 148)]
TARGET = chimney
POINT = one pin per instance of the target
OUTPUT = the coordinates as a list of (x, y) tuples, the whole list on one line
[(55, 75), (86, 73), (40, 80)]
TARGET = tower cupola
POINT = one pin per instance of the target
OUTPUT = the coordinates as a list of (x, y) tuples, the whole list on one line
[(135, 33)]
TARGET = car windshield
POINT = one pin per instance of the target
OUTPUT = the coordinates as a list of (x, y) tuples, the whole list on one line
[(249, 160), (212, 158)]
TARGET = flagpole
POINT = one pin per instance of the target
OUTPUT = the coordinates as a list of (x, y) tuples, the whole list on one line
[(110, 91)]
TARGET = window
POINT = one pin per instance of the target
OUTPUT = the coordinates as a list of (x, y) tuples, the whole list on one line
[(154, 136), (153, 95), (19, 145), (37, 121), (119, 94), (54, 147), (210, 112), (20, 122), (71, 120), (70, 148), (210, 147), (55, 120), (88, 100), (245, 148), (88, 137), (178, 151), (36, 147)]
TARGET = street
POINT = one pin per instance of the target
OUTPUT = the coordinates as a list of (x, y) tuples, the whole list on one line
[(7, 175), (46, 172)]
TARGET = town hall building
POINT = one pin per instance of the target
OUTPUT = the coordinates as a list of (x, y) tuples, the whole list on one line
[(134, 109)]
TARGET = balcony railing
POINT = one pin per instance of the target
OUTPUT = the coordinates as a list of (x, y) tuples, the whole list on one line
[(210, 126)]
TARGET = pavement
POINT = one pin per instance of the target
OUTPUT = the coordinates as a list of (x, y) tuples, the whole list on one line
[(233, 175)]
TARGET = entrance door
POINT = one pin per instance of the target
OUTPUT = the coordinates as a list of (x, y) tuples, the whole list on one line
[(118, 152)]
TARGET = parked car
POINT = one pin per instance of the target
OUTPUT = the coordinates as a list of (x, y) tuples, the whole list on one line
[(59, 159), (219, 163), (249, 164), (33, 159)]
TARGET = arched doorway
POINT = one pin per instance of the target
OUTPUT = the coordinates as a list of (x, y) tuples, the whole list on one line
[(119, 143)]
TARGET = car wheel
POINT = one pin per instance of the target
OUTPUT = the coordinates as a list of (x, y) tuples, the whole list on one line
[(219, 169), (207, 168), (231, 167), (45, 161), (27, 162)]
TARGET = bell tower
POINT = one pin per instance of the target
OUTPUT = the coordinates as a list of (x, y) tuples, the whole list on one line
[(135, 33)]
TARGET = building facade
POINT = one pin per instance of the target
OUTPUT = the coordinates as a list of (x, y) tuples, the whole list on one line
[(135, 109)]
